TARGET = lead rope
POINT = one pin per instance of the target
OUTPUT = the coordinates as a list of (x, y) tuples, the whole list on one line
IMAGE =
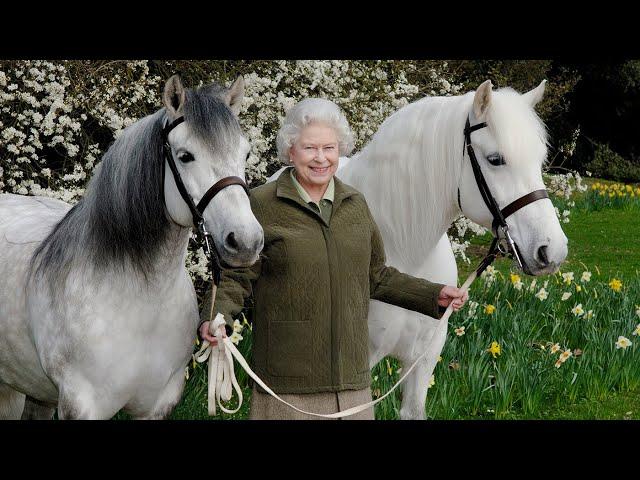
[(220, 375), (220, 383)]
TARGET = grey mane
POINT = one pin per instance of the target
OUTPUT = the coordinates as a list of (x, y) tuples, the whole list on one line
[(122, 219)]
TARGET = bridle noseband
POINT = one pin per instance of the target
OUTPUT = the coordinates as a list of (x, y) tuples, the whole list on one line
[(197, 211), (500, 229)]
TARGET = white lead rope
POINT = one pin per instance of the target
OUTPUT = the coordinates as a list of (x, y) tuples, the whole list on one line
[(221, 374)]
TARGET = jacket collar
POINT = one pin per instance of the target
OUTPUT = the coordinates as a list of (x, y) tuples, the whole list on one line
[(286, 189)]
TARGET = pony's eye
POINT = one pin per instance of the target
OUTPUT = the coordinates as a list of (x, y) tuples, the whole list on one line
[(185, 157), (496, 159)]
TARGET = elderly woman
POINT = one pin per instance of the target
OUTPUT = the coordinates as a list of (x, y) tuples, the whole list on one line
[(323, 259)]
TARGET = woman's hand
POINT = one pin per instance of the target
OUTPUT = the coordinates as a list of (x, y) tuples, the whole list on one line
[(205, 335), (452, 295)]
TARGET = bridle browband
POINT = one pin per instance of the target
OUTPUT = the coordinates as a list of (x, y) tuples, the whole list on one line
[(197, 211), (500, 229)]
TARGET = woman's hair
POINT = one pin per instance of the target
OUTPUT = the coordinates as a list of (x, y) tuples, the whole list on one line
[(313, 110)]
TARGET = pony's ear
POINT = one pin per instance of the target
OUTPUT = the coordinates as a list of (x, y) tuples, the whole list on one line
[(174, 96), (482, 100), (534, 96), (235, 94)]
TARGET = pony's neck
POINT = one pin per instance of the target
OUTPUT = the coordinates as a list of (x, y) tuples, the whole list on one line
[(409, 174)]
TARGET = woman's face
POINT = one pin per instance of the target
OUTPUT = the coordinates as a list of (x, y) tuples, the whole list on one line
[(315, 155)]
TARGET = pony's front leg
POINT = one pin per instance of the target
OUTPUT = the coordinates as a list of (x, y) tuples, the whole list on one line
[(167, 400), (431, 337), (11, 403), (414, 391), (79, 400)]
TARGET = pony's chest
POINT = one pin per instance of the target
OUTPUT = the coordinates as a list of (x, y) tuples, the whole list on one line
[(120, 332)]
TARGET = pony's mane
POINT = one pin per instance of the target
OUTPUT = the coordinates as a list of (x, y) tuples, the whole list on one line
[(517, 129), (404, 163), (122, 221)]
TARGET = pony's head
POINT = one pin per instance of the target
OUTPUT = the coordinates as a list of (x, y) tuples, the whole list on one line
[(511, 152), (207, 147)]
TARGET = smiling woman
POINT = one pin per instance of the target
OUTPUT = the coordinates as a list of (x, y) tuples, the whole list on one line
[(322, 261)]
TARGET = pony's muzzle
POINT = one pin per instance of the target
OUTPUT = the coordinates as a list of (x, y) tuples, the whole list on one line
[(548, 257), (241, 247)]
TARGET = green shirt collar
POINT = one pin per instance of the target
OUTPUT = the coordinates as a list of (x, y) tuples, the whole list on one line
[(328, 194)]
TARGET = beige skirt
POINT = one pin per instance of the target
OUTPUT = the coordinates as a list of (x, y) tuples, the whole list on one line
[(265, 407)]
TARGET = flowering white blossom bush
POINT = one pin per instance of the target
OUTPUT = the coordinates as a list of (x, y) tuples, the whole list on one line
[(367, 91), (58, 118)]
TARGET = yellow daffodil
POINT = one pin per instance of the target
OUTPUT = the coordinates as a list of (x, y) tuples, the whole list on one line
[(515, 278), (616, 285), (489, 309), (578, 288), (186, 373), (236, 337), (554, 348), (567, 277), (565, 296), (637, 330), (589, 315), (459, 331), (558, 363), (577, 310), (565, 355), (389, 369), (494, 349), (623, 342), (432, 381), (439, 358)]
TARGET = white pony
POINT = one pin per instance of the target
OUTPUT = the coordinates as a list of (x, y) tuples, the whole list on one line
[(411, 172), (97, 310)]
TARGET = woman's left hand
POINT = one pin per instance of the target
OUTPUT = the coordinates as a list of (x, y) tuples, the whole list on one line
[(452, 295)]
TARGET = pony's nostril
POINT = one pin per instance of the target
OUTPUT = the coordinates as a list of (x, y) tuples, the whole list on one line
[(230, 242), (542, 255)]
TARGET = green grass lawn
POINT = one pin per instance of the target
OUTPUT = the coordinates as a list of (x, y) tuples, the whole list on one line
[(608, 239)]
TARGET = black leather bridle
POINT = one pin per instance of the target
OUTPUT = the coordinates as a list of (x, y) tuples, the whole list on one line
[(197, 211), (499, 228)]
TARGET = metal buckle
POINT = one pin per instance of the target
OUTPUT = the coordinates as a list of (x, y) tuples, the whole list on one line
[(206, 236), (510, 249)]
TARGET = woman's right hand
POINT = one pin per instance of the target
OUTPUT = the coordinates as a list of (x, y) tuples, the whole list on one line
[(205, 335)]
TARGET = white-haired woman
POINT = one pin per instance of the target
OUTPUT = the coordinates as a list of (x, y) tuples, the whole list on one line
[(323, 259)]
